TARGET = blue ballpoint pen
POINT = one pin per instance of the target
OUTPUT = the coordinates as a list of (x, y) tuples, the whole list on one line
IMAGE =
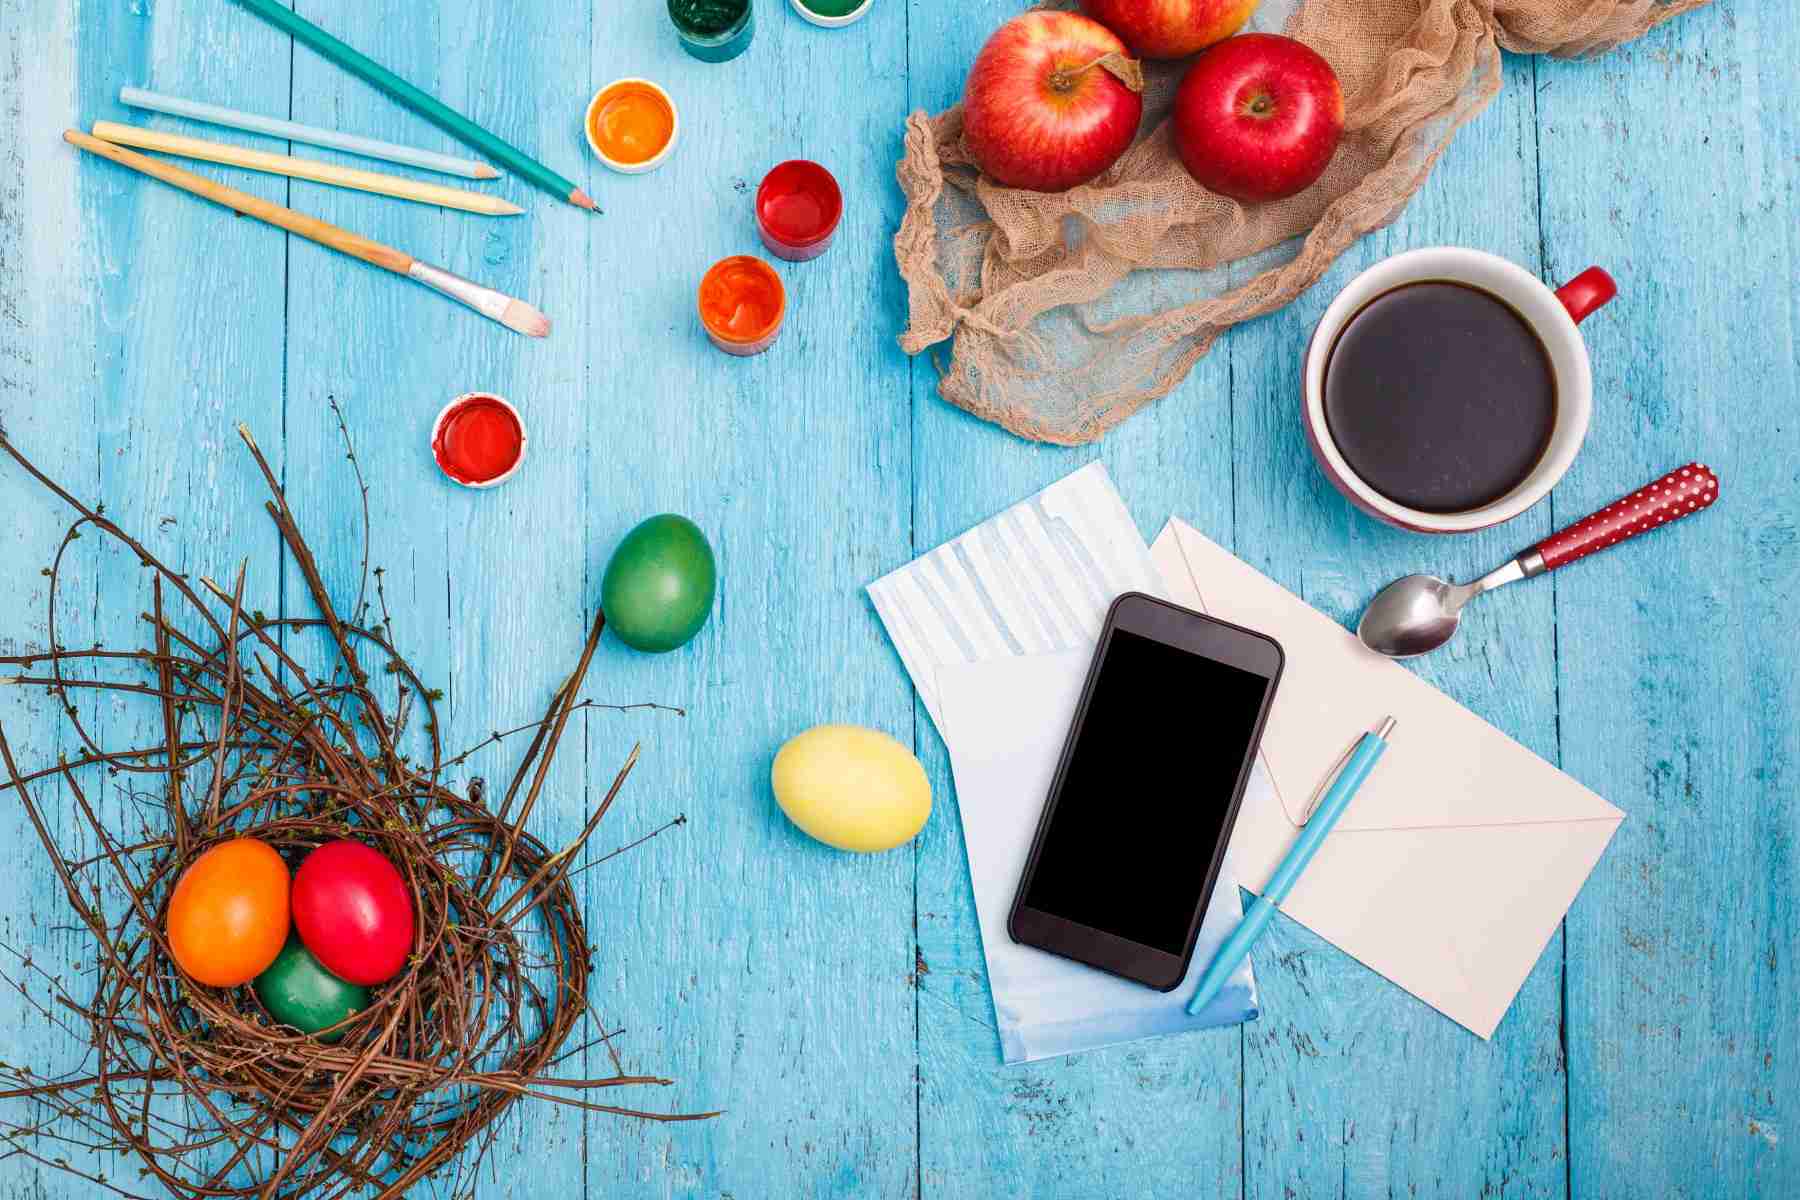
[(1318, 826)]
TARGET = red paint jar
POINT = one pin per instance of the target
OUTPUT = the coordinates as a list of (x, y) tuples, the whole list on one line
[(478, 440), (798, 208), (742, 304)]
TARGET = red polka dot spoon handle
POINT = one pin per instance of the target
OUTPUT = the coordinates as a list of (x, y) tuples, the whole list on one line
[(1682, 492), (1418, 613)]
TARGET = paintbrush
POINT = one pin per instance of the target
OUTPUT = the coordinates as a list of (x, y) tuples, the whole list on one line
[(514, 314)]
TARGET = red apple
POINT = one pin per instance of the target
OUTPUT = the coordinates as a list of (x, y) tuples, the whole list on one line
[(1040, 111), (1170, 28), (1258, 117)]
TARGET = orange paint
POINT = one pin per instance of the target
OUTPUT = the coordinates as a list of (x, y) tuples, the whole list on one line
[(631, 122), (742, 304)]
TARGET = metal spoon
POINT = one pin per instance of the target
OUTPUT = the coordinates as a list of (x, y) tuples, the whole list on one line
[(1419, 613)]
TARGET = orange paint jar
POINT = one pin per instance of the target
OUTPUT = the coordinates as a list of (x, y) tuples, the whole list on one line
[(632, 125), (742, 304)]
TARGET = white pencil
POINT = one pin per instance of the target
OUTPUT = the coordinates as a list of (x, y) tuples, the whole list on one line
[(305, 168), (292, 131)]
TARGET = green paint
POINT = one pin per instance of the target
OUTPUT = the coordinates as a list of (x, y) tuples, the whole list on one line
[(832, 8), (658, 589), (707, 18), (713, 31), (298, 991)]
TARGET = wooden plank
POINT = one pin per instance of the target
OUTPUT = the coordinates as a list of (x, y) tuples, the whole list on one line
[(53, 235), (1153, 1118), (1675, 163), (775, 978), (1352, 1086), (128, 403), (487, 590), (766, 973)]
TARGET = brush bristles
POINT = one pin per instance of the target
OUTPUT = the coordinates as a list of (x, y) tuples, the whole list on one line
[(526, 319)]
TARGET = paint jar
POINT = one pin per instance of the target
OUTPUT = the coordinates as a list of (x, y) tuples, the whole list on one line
[(798, 208), (832, 14), (713, 30), (742, 304), (478, 440), (631, 125)]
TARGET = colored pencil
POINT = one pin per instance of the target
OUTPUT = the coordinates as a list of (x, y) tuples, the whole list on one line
[(305, 168), (312, 135), (429, 107), (514, 314)]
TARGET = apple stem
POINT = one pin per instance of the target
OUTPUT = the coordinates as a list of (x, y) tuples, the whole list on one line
[(1126, 70)]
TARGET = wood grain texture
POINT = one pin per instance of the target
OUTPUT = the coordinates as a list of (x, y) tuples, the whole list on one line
[(1676, 667), (836, 1006), (1352, 1086), (767, 973), (144, 395), (488, 590)]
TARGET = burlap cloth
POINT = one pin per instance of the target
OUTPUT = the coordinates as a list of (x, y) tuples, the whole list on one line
[(1072, 311)]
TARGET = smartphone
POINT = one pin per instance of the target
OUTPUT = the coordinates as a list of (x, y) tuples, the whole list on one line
[(1134, 830)]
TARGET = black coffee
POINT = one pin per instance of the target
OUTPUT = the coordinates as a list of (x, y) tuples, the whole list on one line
[(1440, 396)]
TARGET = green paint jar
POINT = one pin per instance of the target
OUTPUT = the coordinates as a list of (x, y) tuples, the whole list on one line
[(298, 991), (713, 30), (832, 14)]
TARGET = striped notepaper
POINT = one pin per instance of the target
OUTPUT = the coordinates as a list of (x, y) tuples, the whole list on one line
[(1037, 579)]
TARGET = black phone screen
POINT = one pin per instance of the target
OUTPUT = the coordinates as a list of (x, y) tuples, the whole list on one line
[(1146, 791)]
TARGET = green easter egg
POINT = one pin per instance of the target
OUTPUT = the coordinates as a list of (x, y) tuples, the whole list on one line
[(297, 991), (658, 589)]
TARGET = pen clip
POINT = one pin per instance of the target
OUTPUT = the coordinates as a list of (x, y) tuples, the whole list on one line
[(1337, 768)]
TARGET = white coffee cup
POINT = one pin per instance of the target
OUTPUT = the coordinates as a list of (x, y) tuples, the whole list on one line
[(1552, 314)]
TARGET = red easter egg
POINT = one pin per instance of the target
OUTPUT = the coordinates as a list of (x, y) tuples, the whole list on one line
[(354, 913)]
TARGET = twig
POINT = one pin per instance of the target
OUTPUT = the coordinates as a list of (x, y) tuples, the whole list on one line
[(199, 1085)]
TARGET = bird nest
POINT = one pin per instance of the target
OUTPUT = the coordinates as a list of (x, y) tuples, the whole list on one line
[(210, 1094)]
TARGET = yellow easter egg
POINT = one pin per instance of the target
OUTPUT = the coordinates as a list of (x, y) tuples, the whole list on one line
[(850, 787)]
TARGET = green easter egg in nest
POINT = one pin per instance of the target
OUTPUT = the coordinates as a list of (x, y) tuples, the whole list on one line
[(658, 589), (298, 991)]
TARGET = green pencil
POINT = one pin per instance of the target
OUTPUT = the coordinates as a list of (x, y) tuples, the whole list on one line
[(433, 110)]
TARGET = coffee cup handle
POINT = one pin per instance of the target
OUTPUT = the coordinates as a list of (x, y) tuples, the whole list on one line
[(1587, 292)]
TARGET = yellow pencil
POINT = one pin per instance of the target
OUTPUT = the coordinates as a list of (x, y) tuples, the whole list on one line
[(513, 313), (305, 168)]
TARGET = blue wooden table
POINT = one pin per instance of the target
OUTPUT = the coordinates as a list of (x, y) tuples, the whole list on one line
[(835, 1005)]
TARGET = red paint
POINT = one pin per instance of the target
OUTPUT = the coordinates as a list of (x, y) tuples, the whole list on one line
[(478, 440), (798, 208), (353, 912)]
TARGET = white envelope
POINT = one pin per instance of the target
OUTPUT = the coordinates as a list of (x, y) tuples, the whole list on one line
[(1460, 855)]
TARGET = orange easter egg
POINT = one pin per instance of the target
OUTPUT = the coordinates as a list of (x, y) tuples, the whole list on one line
[(228, 918)]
